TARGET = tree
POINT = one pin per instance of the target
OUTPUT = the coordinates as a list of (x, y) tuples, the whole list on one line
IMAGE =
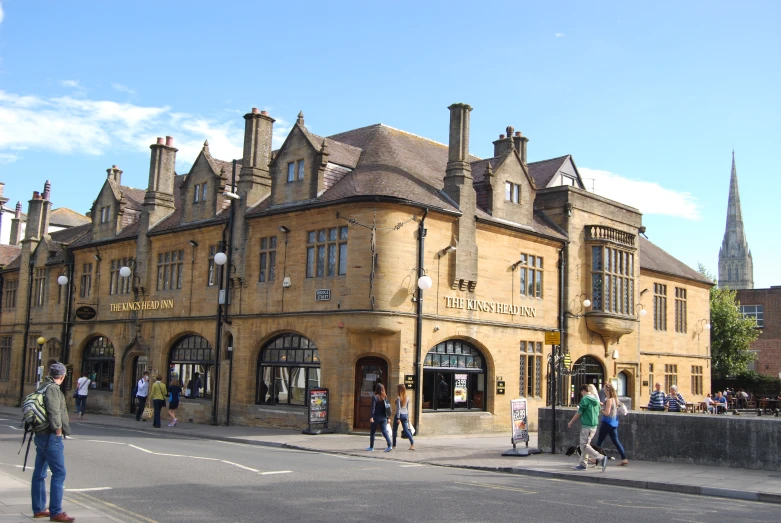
[(731, 334)]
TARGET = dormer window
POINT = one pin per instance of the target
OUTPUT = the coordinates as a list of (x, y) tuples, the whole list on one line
[(200, 193), (105, 214), (295, 171), (512, 192)]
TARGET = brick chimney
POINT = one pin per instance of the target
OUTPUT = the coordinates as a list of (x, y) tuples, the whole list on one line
[(159, 197), (16, 225), (520, 142), (115, 174), (38, 215), (458, 186), (254, 179)]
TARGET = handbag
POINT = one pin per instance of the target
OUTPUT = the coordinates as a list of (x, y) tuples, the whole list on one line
[(76, 393), (622, 409), (388, 411), (149, 413), (388, 426)]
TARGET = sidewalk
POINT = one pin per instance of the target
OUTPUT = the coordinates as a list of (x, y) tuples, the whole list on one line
[(484, 453), (15, 504)]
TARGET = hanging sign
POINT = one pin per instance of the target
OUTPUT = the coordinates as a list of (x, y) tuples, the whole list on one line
[(86, 313), (520, 420)]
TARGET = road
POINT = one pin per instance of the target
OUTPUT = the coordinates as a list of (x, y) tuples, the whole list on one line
[(141, 477)]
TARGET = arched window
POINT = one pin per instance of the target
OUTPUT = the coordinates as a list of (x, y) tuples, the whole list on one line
[(192, 360), (622, 384), (454, 377), (288, 366), (98, 363)]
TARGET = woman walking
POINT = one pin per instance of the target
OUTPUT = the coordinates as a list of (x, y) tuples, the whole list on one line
[(402, 416), (158, 394), (380, 412), (174, 392), (609, 424), (82, 387)]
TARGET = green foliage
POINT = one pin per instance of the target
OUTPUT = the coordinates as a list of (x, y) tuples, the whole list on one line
[(731, 334)]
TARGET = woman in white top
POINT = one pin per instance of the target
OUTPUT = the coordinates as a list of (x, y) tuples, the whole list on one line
[(82, 386), (402, 416)]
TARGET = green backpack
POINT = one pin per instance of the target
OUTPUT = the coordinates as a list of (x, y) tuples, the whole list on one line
[(33, 416)]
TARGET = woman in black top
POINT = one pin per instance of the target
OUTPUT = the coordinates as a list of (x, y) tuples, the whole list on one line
[(174, 392), (380, 413)]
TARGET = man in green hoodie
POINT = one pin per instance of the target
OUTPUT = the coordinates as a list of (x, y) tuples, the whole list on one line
[(588, 412)]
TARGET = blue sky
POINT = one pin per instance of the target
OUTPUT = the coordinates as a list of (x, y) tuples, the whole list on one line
[(650, 99)]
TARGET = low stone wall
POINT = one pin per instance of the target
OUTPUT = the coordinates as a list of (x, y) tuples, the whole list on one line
[(729, 441)]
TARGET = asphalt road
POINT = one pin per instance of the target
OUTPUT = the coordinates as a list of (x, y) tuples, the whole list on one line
[(139, 477)]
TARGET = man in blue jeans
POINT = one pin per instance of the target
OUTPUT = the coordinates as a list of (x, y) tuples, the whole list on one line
[(50, 451)]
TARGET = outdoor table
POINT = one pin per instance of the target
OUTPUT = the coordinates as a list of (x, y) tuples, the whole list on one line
[(692, 407), (768, 404)]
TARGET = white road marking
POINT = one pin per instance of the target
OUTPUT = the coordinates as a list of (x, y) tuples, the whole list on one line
[(4, 419), (276, 472), (240, 466), (11, 465), (12, 427), (104, 441), (414, 465), (86, 489), (141, 449)]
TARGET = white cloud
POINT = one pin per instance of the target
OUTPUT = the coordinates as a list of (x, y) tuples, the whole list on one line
[(649, 197), (123, 89), (70, 83), (558, 35), (68, 125), (1, 13)]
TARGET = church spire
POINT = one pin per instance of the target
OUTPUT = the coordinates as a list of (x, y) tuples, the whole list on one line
[(736, 266)]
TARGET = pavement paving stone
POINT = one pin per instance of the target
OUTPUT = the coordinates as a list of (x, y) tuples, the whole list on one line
[(484, 453)]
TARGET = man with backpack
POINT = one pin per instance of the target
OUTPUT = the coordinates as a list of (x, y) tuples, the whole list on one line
[(50, 451)]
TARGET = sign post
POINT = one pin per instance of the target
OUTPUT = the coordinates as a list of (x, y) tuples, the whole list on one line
[(520, 429), (317, 412)]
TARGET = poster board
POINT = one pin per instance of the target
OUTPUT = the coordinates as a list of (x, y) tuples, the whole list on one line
[(520, 421)]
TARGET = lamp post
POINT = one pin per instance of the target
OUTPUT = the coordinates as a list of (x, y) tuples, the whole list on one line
[(40, 341), (424, 282), (64, 280)]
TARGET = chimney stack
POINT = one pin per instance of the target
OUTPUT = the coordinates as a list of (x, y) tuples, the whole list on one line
[(16, 225), (520, 142), (254, 178), (38, 214), (458, 186), (159, 197), (505, 142), (115, 174)]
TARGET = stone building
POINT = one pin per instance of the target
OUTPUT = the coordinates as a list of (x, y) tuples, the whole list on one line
[(764, 307), (736, 266), (373, 255)]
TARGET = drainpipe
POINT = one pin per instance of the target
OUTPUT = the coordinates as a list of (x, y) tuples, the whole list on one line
[(557, 351), (66, 323), (26, 328), (227, 294), (419, 325)]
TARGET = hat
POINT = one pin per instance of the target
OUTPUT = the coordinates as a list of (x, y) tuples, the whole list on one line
[(57, 369)]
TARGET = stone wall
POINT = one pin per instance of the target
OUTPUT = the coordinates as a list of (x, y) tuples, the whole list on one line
[(700, 439)]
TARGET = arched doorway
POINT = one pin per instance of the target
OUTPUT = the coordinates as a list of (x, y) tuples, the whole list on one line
[(368, 373), (590, 371), (140, 365)]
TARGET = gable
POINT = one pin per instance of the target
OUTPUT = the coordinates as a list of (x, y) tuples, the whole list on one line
[(201, 188), (294, 170)]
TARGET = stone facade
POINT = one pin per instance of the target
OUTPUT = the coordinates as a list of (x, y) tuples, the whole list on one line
[(323, 250)]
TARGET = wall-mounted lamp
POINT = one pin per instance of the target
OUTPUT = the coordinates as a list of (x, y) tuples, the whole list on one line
[(640, 310), (578, 303), (127, 270), (283, 229), (701, 326), (62, 280), (449, 248), (516, 264), (194, 243), (97, 257), (231, 195), (220, 258), (425, 283), (615, 354)]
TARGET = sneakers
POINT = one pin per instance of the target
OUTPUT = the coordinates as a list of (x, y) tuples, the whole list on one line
[(175, 420), (602, 463), (369, 449), (171, 424), (388, 449), (580, 467)]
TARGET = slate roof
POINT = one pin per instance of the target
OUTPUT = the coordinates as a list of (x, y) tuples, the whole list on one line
[(64, 217), (655, 259), (544, 171)]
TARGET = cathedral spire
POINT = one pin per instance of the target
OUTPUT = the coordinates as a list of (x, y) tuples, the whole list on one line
[(736, 266)]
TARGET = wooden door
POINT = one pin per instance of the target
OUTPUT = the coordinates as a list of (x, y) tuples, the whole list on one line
[(368, 372)]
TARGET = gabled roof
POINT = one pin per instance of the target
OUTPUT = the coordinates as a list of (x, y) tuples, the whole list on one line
[(64, 217), (544, 170), (174, 220), (8, 253), (655, 259)]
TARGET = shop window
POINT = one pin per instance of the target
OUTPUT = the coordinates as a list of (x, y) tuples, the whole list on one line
[(454, 377), (326, 252), (612, 280), (288, 367), (660, 307), (680, 310), (191, 361), (5, 358), (11, 287), (98, 363)]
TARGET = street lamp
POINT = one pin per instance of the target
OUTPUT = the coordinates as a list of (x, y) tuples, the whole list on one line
[(40, 341), (62, 280)]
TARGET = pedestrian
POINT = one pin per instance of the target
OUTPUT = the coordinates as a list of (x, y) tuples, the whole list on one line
[(402, 416), (174, 392), (142, 391), (588, 412), (196, 385), (609, 424), (158, 394), (49, 448), (443, 392), (674, 402), (657, 398), (381, 411), (82, 387)]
